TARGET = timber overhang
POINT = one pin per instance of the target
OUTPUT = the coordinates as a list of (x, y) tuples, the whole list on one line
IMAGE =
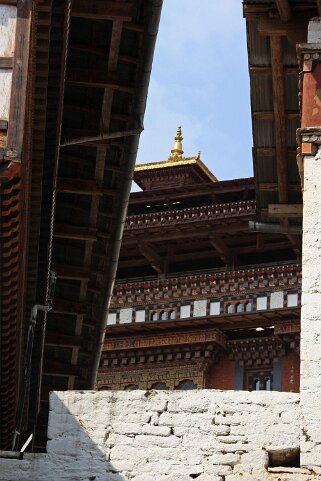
[(87, 77), (273, 30)]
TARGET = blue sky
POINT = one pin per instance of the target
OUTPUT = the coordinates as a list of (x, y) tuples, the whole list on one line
[(200, 81)]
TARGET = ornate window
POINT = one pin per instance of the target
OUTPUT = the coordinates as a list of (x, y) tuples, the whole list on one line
[(186, 384), (153, 316), (163, 315), (248, 306), (159, 386), (131, 387), (172, 314), (229, 309), (259, 379), (239, 307)]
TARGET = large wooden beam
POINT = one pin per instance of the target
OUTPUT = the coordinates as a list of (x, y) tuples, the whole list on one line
[(296, 29), (269, 115), (96, 78), (77, 273), (102, 10), (284, 10), (62, 306), (155, 260), (273, 187), (263, 70), (54, 338), (279, 117), (75, 232), (285, 210), (319, 6)]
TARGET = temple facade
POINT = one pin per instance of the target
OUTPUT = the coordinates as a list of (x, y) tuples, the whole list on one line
[(202, 298)]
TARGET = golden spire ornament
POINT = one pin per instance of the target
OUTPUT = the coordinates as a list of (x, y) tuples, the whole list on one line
[(177, 151)]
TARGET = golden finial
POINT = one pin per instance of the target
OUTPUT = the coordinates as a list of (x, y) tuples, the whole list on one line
[(177, 151)]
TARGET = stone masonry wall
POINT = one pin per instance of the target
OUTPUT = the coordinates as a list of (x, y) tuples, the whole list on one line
[(164, 436), (310, 315)]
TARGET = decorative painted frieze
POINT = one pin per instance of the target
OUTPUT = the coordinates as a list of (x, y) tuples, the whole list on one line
[(191, 214)]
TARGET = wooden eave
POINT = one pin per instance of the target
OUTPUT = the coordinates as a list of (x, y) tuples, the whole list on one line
[(273, 29), (87, 217)]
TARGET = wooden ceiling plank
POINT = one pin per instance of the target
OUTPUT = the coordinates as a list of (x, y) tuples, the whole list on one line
[(106, 10), (279, 118)]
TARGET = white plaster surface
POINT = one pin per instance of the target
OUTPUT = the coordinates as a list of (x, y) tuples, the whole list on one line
[(215, 308), (277, 300), (163, 436), (140, 315), (111, 319), (293, 300), (125, 316), (8, 15), (261, 303), (200, 308), (185, 311), (311, 315), (7, 35), (5, 91), (314, 30)]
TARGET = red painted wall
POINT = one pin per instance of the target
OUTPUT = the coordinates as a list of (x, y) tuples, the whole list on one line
[(221, 376), (291, 372), (311, 98)]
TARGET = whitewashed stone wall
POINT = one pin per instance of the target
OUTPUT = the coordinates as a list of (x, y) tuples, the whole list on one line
[(164, 436), (311, 315)]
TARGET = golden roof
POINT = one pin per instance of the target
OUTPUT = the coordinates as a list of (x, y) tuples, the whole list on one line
[(176, 159)]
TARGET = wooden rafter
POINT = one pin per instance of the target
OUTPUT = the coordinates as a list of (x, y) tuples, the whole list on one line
[(221, 247), (78, 273), (155, 260), (75, 232), (85, 187), (319, 6), (279, 117)]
